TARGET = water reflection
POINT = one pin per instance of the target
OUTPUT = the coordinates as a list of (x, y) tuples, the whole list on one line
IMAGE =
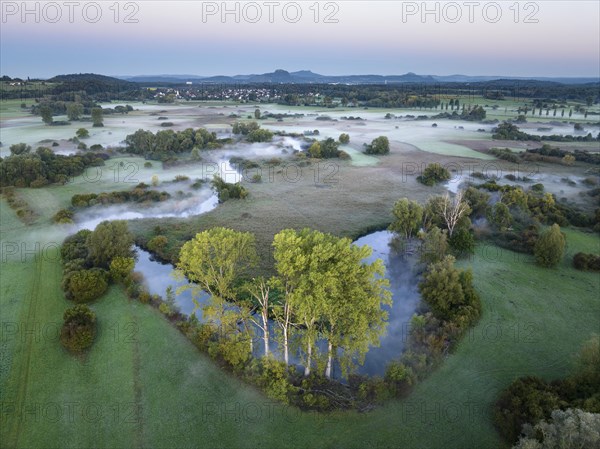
[(403, 285)]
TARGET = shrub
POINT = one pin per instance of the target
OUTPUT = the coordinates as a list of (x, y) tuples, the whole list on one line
[(379, 145), (374, 390), (86, 285), (203, 335), (274, 379), (450, 293), (78, 329), (435, 246), (74, 246), (165, 309), (462, 242), (121, 268), (110, 239), (526, 400), (344, 156), (539, 188), (500, 216), (227, 190), (158, 243), (550, 247), (63, 216), (245, 128), (82, 133), (399, 377), (585, 261), (144, 297), (259, 135), (433, 174)]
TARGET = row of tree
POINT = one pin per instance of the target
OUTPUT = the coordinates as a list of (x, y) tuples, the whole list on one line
[(168, 143), (322, 291), (91, 259), (26, 168)]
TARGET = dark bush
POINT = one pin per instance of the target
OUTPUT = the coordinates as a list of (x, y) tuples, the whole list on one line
[(433, 174), (526, 400), (79, 328), (74, 246), (86, 285), (586, 262), (63, 216)]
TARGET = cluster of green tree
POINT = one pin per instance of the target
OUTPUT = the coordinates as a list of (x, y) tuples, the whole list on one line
[(586, 261), (442, 225), (157, 243), (242, 164), (322, 291), (516, 220), (79, 328), (76, 110), (536, 206), (21, 207), (280, 116), (244, 128), (88, 257), (63, 216), (447, 291), (530, 400), (259, 135), (165, 145), (450, 295), (434, 174), (548, 154), (24, 168), (380, 145), (509, 131), (226, 190), (565, 156), (137, 195), (505, 154), (324, 149), (344, 139), (471, 113), (252, 131)]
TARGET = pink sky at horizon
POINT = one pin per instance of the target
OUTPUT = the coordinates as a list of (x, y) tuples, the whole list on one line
[(370, 37)]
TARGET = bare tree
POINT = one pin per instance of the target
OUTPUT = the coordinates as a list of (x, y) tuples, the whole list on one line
[(453, 210)]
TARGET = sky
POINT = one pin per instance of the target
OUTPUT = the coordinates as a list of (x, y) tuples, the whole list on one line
[(541, 38)]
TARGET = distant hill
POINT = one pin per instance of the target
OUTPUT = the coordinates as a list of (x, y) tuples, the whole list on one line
[(309, 77), (89, 78), (284, 77), (474, 79), (91, 83)]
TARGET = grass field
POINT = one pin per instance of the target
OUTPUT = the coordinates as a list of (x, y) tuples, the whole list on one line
[(144, 385)]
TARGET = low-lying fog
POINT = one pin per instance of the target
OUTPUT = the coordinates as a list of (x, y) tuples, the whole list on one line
[(187, 204)]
